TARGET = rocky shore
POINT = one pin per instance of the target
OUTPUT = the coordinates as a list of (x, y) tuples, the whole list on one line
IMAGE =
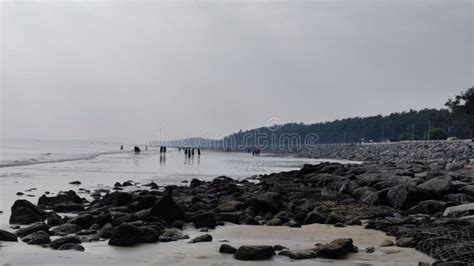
[(457, 151), (429, 207)]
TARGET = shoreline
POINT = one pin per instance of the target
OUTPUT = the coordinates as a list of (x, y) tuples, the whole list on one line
[(408, 201)]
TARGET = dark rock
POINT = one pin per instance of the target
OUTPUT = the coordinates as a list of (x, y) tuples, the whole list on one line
[(107, 231), (370, 250), (178, 224), (201, 238), (406, 196), (83, 220), (254, 253), (37, 238), (227, 249), (338, 248), (62, 198), (167, 210), (129, 235), (25, 212), (316, 217), (172, 234), (440, 185), (65, 229), (117, 199), (71, 246), (279, 247), (32, 228), (20, 193), (57, 243), (7, 236), (406, 242), (204, 220), (266, 202), (54, 219), (75, 183), (386, 243), (68, 207), (428, 207)]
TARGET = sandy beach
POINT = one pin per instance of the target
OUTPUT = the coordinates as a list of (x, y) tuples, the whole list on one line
[(182, 253)]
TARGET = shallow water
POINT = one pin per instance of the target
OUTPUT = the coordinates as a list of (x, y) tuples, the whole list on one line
[(101, 165)]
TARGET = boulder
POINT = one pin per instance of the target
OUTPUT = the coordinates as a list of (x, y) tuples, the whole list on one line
[(266, 202), (129, 235), (62, 198), (65, 229), (337, 248), (428, 207), (316, 217), (68, 207), (32, 228), (172, 234), (37, 238), (57, 243), (386, 243), (457, 209), (7, 236), (83, 220), (167, 210), (440, 185), (25, 212), (405, 196), (71, 246), (201, 238), (227, 249), (204, 220), (254, 253), (54, 219)]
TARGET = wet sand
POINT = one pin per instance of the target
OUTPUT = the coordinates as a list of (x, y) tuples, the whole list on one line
[(206, 253)]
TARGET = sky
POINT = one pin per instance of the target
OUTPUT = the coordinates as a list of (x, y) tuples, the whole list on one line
[(140, 70)]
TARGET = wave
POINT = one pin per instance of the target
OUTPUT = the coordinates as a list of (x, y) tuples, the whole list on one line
[(58, 160)]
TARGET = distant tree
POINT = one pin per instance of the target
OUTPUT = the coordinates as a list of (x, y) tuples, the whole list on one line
[(463, 107), (463, 103), (405, 136), (436, 134)]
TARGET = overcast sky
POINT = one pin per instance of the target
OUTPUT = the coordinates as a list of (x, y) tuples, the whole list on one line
[(109, 70)]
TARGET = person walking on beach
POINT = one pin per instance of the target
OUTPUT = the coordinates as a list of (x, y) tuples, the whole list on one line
[(199, 151), (121, 147)]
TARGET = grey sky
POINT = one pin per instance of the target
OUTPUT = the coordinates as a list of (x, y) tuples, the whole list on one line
[(124, 70)]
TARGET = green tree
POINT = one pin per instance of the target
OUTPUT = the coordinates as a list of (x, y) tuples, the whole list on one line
[(405, 136), (436, 134)]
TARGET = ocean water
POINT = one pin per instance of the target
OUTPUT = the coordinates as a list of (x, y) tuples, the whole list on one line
[(34, 167)]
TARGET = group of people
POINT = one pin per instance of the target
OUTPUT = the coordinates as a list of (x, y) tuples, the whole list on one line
[(190, 151), (162, 149)]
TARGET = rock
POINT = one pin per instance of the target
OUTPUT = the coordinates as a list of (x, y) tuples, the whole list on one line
[(167, 210), (266, 202), (75, 183), (68, 207), (20, 193), (468, 189), (428, 207), (107, 231), (406, 196), (178, 224), (32, 228), (386, 243), (390, 251), (117, 199), (354, 222), (172, 235), (71, 246), (440, 185), (65, 229), (129, 235), (454, 166), (370, 250), (316, 217), (7, 236), (460, 208), (279, 247), (227, 249), (300, 254), (405, 242), (204, 220), (337, 248), (37, 238), (83, 220), (62, 198), (459, 198), (201, 238), (54, 219), (57, 243), (254, 253), (25, 212)]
